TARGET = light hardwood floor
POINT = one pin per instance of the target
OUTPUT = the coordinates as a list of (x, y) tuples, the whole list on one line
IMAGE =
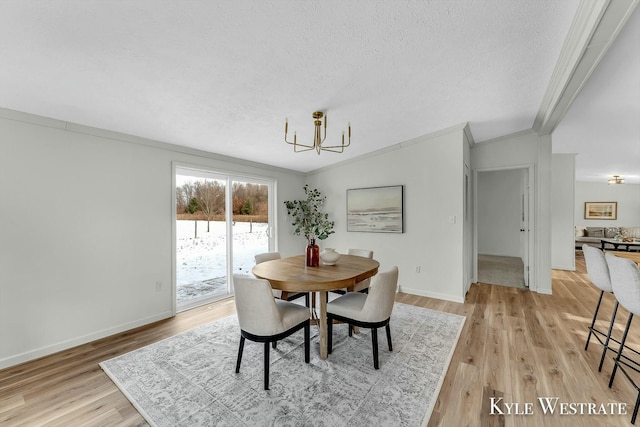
[(516, 345)]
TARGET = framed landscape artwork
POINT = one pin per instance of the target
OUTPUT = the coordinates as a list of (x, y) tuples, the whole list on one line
[(376, 209), (600, 210)]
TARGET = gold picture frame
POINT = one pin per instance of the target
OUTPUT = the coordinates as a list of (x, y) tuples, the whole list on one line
[(601, 210)]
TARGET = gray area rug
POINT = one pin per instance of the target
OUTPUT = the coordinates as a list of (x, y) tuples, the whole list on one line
[(190, 379), (501, 270)]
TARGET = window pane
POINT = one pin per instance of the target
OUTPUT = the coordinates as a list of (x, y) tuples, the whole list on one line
[(201, 236), (250, 224)]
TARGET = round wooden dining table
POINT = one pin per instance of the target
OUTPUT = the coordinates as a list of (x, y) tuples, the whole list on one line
[(293, 276)]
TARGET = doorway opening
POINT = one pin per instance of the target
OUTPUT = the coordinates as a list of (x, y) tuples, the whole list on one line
[(221, 222), (503, 226)]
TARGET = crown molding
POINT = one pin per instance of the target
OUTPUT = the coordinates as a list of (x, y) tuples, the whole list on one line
[(123, 137), (507, 137), (463, 127)]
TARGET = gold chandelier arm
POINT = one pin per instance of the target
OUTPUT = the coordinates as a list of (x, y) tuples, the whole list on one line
[(324, 147), (295, 142), (338, 148), (296, 146), (300, 150)]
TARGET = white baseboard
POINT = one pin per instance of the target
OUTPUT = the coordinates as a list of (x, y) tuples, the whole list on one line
[(436, 295), (64, 345)]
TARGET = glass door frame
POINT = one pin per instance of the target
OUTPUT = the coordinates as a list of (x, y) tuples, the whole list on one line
[(230, 178)]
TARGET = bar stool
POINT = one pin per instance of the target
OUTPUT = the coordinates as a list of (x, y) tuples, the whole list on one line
[(598, 272), (625, 279)]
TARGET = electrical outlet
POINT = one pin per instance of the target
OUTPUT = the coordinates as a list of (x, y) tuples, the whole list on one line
[(418, 269), (158, 286)]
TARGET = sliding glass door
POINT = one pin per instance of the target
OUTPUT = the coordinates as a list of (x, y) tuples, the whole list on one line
[(251, 228), (221, 222)]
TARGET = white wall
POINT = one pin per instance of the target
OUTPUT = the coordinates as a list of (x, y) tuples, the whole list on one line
[(562, 200), (627, 196), (86, 231), (77, 263), (499, 212), (522, 150), (431, 170)]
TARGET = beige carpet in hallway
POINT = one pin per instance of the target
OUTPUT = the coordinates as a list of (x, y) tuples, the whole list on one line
[(501, 270)]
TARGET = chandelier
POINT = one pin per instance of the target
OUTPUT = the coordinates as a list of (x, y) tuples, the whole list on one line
[(318, 137), (616, 180)]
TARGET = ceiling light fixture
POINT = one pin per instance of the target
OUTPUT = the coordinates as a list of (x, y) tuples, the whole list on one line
[(616, 180), (318, 138)]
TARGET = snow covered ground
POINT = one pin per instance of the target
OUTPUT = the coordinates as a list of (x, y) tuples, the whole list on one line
[(201, 263)]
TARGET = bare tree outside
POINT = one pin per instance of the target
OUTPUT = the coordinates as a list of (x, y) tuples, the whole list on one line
[(250, 202), (192, 208), (210, 195), (184, 194)]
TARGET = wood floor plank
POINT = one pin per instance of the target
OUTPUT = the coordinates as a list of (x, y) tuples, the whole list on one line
[(11, 402), (464, 388), (516, 345)]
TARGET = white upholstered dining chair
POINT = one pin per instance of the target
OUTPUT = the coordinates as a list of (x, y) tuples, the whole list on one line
[(267, 256), (265, 319), (372, 310), (277, 293), (362, 286)]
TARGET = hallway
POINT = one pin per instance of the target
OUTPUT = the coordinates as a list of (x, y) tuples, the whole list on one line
[(501, 270)]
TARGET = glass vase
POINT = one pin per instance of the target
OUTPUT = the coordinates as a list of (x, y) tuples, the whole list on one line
[(313, 254)]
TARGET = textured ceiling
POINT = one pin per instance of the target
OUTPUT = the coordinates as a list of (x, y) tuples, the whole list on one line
[(222, 76)]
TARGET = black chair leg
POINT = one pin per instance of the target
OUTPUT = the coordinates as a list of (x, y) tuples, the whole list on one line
[(329, 335), (606, 342), (617, 359), (593, 321), (266, 365), (635, 409), (240, 354), (274, 344), (389, 337), (350, 330), (307, 301), (307, 339), (374, 344)]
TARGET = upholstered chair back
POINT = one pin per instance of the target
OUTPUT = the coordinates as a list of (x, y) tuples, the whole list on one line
[(256, 308), (625, 279), (360, 252), (382, 294), (365, 253), (267, 256), (597, 268)]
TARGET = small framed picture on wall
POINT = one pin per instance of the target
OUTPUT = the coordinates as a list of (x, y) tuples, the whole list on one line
[(601, 210)]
